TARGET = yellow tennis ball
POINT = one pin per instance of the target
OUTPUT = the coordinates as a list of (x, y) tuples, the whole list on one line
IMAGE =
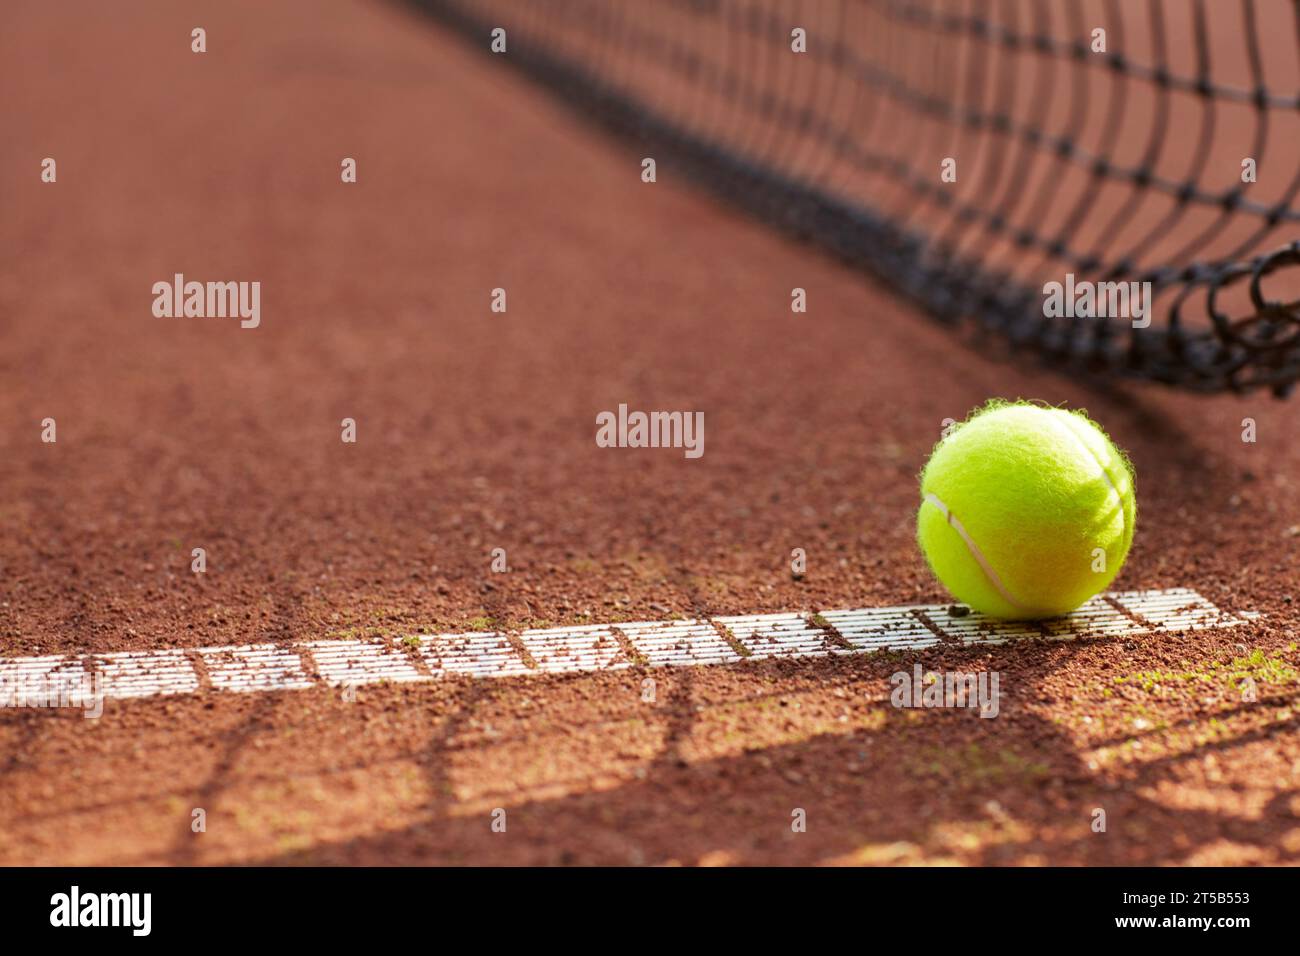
[(1026, 511)]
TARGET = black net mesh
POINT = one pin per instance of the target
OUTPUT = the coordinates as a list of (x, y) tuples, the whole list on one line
[(1161, 151)]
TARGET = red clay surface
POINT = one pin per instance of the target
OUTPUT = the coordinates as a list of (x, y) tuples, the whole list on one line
[(476, 431)]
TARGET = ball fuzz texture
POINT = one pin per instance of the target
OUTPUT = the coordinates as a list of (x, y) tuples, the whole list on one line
[(1026, 511)]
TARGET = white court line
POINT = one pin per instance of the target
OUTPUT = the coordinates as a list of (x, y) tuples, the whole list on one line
[(978, 629), (882, 628), (678, 643), (594, 647), (1097, 618), (1175, 609), (591, 647), (352, 663), (44, 680), (478, 654), (146, 673), (776, 635), (254, 667)]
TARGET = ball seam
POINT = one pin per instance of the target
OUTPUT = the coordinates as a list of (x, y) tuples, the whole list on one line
[(1123, 516), (955, 523)]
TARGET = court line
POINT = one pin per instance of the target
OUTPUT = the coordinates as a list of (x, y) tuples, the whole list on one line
[(732, 639)]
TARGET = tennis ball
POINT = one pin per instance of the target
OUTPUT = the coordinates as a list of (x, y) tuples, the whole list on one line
[(1026, 511)]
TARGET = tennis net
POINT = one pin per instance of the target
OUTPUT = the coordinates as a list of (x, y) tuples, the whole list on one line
[(974, 152)]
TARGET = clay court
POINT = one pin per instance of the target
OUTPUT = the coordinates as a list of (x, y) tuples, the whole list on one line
[(302, 690)]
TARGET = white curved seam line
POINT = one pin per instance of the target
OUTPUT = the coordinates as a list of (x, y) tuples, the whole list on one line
[(1105, 474), (975, 552)]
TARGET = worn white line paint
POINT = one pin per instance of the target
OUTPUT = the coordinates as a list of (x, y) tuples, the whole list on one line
[(1097, 618), (349, 663), (593, 647), (146, 673), (977, 629), (776, 635), (480, 654), (882, 628), (15, 667), (254, 667), (678, 643), (1176, 609), (50, 677)]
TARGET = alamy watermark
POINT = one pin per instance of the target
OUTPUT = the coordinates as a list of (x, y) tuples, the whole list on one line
[(208, 300), (1075, 299), (74, 908), (952, 689), (651, 430), (80, 690)]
